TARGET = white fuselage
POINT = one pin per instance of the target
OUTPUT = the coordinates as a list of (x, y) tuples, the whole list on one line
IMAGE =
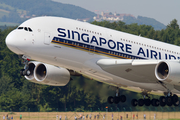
[(79, 45)]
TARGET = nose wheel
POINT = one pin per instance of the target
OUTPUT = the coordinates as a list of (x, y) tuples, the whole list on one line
[(25, 71)]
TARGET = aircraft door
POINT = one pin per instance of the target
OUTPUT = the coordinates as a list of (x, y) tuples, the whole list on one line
[(47, 38)]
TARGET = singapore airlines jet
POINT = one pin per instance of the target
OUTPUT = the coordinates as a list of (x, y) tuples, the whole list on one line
[(63, 47)]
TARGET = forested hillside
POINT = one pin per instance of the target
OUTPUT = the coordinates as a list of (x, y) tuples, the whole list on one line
[(170, 35), (18, 94), (140, 20), (20, 10), (17, 11)]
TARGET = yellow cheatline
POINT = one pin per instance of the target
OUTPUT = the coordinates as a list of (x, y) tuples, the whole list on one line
[(90, 50)]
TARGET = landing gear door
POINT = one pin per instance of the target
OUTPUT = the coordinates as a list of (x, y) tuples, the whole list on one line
[(47, 38)]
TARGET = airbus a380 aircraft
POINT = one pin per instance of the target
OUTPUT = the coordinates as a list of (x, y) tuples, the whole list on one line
[(63, 47)]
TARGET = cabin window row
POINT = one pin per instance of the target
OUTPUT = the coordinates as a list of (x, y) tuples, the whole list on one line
[(89, 31), (150, 46), (123, 55)]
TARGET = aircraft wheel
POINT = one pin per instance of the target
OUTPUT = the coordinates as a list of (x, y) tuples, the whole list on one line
[(156, 102), (110, 99), (153, 102), (21, 72), (134, 102), (175, 98), (169, 101), (140, 102), (123, 98), (176, 103), (116, 100), (147, 102), (28, 73), (24, 72), (162, 101)]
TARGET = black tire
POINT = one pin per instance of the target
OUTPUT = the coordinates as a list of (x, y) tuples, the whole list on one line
[(147, 102), (123, 98), (140, 102), (162, 101), (153, 102), (162, 104), (28, 73), (169, 101), (176, 103), (116, 100), (134, 102), (110, 99), (175, 98), (21, 72), (156, 102)]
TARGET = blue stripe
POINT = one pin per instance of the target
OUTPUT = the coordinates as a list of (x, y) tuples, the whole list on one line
[(93, 48)]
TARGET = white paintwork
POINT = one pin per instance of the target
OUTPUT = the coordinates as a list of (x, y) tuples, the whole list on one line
[(38, 46)]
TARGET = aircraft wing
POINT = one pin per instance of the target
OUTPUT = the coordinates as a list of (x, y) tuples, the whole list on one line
[(135, 70)]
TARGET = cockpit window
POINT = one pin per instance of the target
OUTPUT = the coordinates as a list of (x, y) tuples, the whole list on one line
[(20, 27), (25, 28), (30, 29)]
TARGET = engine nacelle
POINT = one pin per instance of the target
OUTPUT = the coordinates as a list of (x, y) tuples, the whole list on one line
[(51, 75), (168, 71), (32, 65)]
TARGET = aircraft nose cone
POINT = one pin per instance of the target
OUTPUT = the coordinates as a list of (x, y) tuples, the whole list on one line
[(12, 43), (9, 40)]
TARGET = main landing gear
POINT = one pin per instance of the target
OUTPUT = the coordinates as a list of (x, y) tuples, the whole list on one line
[(117, 98), (169, 100), (25, 71)]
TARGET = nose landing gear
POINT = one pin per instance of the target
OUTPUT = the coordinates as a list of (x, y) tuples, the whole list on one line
[(25, 71)]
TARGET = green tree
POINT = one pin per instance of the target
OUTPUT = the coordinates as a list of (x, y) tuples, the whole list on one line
[(173, 24)]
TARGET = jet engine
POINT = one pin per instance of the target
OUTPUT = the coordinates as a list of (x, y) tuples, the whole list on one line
[(47, 74), (30, 77), (168, 71)]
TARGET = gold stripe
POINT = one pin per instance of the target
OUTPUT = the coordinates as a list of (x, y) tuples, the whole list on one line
[(90, 50)]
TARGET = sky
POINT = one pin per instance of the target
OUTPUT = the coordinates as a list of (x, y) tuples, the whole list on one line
[(163, 11)]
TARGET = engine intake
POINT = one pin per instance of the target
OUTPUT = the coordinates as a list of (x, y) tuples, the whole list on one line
[(168, 71), (31, 68), (162, 71), (51, 75)]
